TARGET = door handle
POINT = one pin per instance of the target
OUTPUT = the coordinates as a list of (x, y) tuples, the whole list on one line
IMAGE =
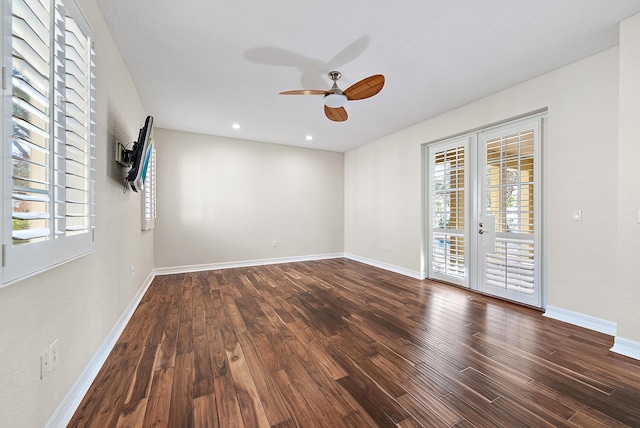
[(480, 231)]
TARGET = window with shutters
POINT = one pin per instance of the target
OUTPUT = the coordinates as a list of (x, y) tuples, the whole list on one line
[(48, 137), (149, 202)]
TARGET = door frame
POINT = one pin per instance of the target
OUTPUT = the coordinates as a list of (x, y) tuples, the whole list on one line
[(473, 202)]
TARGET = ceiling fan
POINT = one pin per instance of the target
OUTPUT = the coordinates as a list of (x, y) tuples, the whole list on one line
[(335, 98)]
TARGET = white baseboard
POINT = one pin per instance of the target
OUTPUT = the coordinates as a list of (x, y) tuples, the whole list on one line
[(262, 262), (621, 345), (72, 400), (245, 263), (581, 320), (626, 347), (386, 266)]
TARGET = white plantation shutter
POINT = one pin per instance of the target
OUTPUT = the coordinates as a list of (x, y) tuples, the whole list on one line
[(79, 158), (447, 172), (51, 147), (149, 202), (512, 266), (30, 136)]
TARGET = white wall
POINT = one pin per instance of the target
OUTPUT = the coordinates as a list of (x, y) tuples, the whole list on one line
[(628, 230), (383, 200), (78, 303), (224, 200), (384, 190)]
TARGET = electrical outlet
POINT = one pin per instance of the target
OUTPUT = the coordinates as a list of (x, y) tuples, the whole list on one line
[(275, 244), (44, 364), (132, 270), (54, 355), (388, 248)]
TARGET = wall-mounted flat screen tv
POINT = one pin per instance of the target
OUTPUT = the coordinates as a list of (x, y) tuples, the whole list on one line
[(141, 153)]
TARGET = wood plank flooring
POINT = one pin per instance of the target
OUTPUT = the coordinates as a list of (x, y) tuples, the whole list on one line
[(335, 343)]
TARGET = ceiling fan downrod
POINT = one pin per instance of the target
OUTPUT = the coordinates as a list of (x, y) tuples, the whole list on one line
[(335, 75)]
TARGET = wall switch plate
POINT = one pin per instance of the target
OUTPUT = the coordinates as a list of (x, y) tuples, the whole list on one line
[(44, 364), (576, 215), (275, 244)]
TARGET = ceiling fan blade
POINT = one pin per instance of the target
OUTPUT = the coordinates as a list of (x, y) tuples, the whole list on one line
[(305, 92), (336, 114), (365, 88)]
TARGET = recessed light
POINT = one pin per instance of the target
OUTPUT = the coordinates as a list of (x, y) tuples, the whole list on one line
[(309, 137), (236, 126)]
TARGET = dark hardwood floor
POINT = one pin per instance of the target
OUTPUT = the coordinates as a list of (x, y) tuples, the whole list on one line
[(335, 343)]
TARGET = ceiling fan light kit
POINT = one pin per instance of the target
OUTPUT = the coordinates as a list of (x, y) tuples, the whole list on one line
[(335, 98)]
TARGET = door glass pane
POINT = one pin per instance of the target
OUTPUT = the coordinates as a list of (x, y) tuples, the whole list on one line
[(510, 182), (509, 196), (448, 212)]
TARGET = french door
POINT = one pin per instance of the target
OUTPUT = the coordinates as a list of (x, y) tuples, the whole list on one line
[(484, 211)]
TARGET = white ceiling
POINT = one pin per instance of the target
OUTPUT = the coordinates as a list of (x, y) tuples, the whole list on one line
[(202, 65)]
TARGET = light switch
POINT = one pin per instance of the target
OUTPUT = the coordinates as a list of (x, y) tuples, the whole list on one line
[(576, 215)]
